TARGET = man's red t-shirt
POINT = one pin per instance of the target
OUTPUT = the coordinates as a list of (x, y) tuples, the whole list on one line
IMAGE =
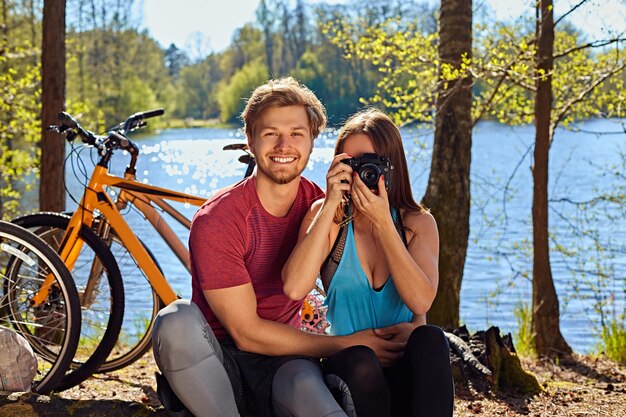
[(234, 241)]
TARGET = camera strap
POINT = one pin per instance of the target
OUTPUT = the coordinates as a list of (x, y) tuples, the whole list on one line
[(330, 265)]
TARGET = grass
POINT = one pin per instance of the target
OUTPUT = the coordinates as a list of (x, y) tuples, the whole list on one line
[(613, 341), (524, 339)]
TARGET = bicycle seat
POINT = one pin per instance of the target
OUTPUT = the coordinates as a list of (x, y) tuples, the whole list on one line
[(236, 147)]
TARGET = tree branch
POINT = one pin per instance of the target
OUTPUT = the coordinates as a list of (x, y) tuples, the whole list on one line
[(569, 11), (593, 201), (584, 93), (575, 128), (594, 44)]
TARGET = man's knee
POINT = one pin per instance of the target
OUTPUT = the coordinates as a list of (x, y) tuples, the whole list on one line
[(181, 336), (298, 375)]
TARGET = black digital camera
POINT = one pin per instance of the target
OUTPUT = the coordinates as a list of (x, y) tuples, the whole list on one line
[(370, 167)]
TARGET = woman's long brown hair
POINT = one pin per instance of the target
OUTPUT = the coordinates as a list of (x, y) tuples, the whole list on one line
[(387, 142)]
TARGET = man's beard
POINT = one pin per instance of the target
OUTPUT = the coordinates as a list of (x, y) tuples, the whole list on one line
[(283, 176), (279, 177)]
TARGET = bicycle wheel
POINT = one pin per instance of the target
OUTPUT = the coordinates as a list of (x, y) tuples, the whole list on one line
[(100, 290), (141, 303), (53, 326)]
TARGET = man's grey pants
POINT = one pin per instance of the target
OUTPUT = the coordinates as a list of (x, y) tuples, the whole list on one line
[(191, 358)]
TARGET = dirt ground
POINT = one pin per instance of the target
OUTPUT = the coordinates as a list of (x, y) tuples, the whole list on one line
[(587, 387)]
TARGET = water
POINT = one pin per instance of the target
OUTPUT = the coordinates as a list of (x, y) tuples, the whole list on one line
[(494, 283)]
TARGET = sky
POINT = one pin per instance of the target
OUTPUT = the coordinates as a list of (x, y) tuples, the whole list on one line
[(204, 26)]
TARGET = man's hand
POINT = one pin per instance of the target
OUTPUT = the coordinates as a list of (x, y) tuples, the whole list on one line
[(397, 333), (387, 351)]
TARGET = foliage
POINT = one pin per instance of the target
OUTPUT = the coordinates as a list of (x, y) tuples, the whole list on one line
[(123, 77), (232, 95), (508, 78), (196, 89), (175, 60), (406, 59), (503, 70), (19, 123)]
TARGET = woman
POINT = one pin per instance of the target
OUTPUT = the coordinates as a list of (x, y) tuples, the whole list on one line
[(384, 275)]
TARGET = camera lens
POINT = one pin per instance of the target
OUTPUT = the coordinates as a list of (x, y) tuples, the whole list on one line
[(370, 174)]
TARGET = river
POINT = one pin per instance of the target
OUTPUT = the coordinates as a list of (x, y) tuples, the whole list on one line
[(583, 164)]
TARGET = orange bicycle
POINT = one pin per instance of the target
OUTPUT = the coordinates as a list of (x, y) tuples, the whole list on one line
[(98, 221)]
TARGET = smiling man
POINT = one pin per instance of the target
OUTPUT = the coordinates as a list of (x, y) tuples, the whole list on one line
[(237, 346)]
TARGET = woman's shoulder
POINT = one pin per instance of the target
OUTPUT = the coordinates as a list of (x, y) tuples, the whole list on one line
[(421, 224)]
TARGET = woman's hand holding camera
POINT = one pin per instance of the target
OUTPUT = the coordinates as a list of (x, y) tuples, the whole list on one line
[(338, 179), (374, 206)]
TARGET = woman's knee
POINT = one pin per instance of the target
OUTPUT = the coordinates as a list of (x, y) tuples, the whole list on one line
[(355, 365), (428, 339), (354, 355)]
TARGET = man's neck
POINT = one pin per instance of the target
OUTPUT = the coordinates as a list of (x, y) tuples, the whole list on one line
[(276, 199)]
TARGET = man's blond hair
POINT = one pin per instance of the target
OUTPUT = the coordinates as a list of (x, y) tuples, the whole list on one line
[(283, 92)]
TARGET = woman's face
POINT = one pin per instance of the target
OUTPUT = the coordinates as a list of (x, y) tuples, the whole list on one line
[(358, 144)]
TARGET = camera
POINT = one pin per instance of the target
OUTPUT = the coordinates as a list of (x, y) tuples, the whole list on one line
[(370, 167)]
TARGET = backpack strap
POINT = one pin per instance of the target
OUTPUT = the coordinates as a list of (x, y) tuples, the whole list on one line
[(397, 220), (329, 267)]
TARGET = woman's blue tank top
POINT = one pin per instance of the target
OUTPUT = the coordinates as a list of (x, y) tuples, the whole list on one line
[(353, 304)]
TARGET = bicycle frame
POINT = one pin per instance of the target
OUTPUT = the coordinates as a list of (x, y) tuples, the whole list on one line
[(142, 199), (96, 199)]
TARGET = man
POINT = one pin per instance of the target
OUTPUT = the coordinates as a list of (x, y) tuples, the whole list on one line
[(237, 347)]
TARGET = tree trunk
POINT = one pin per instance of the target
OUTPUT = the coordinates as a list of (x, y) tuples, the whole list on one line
[(33, 28), (448, 191), (266, 20), (545, 320), (51, 190), (80, 47), (5, 118)]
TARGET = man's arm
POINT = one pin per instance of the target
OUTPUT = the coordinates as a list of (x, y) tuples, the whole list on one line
[(235, 308)]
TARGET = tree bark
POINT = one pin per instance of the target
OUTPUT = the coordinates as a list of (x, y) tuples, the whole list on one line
[(51, 190), (545, 319), (448, 191)]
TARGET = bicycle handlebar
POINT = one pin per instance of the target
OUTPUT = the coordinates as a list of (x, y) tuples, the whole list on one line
[(137, 120), (67, 119), (148, 114), (114, 139), (68, 122)]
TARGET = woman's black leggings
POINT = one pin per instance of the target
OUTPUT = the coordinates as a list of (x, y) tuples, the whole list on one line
[(420, 384)]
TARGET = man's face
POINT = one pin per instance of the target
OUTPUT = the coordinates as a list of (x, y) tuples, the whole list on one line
[(282, 143)]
